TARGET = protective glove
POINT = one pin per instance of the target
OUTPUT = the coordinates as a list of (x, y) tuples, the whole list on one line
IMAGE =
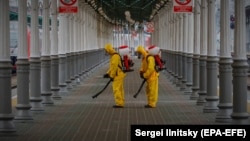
[(106, 75), (141, 75)]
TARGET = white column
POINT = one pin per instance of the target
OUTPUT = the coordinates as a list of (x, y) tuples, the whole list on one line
[(88, 29), (225, 68), (46, 29), (35, 63), (196, 54), (46, 60), (74, 53), (77, 51), (54, 52), (23, 106), (212, 63), (85, 41), (190, 50), (62, 55), (211, 50), (184, 52), (54, 29), (6, 116), (82, 43), (203, 54), (204, 28), (35, 46), (190, 34), (240, 66), (181, 34), (5, 31), (178, 40), (72, 35), (175, 65), (68, 47), (181, 49), (22, 30)]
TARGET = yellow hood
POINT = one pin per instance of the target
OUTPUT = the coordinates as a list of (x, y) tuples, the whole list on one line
[(140, 49), (109, 49)]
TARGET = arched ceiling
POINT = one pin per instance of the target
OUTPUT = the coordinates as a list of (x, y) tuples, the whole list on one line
[(137, 10)]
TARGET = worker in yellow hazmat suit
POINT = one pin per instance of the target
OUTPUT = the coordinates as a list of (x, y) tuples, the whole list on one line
[(148, 72), (117, 76)]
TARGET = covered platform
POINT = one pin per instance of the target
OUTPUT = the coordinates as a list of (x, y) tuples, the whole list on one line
[(77, 116), (206, 81)]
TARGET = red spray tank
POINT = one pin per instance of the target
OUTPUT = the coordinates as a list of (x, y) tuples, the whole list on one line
[(124, 53)]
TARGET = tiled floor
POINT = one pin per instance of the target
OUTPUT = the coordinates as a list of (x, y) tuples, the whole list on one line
[(79, 117)]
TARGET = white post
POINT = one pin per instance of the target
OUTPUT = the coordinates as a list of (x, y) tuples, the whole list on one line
[(203, 54), (35, 63), (45, 59), (225, 68), (196, 54), (54, 52), (212, 63), (6, 116), (62, 55), (240, 66), (190, 50), (23, 105)]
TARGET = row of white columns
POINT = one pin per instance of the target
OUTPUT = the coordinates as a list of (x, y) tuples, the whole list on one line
[(189, 42), (54, 68)]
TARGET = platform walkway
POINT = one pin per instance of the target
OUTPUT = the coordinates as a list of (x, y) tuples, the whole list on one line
[(79, 117)]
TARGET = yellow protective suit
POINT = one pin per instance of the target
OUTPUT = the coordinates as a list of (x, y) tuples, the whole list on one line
[(117, 74), (151, 76)]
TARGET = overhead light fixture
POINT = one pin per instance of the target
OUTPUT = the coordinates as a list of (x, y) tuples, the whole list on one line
[(157, 6), (127, 13), (100, 9)]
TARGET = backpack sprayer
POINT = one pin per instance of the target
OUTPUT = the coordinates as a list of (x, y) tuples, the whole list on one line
[(155, 52), (127, 63)]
